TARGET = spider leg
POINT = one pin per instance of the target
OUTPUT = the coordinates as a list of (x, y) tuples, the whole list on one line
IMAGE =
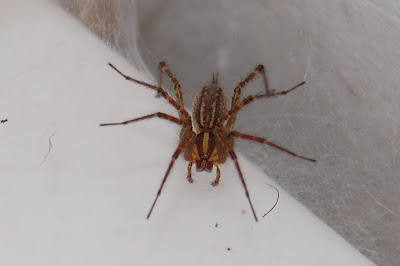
[(260, 69), (265, 141), (183, 113), (177, 152), (232, 153), (158, 114), (189, 176), (235, 160), (216, 181), (164, 69), (251, 98)]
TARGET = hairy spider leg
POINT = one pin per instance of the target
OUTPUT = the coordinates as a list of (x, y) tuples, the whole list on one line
[(216, 181), (247, 101), (251, 98), (177, 152), (179, 107), (164, 69), (158, 114), (265, 141), (232, 153), (189, 175), (238, 91)]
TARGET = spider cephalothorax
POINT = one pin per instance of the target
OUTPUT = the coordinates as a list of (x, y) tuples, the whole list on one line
[(211, 141)]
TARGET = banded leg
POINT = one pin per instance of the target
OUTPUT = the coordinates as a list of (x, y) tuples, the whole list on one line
[(265, 141), (164, 69), (177, 152), (189, 176), (260, 69), (216, 181), (158, 114), (251, 98), (182, 112), (235, 160), (232, 153)]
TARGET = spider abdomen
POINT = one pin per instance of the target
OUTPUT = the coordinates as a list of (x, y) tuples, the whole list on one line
[(209, 104)]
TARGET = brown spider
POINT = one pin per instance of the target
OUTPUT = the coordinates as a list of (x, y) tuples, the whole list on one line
[(212, 141)]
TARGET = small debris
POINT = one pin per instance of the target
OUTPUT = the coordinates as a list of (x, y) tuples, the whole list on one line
[(3, 121), (216, 225), (243, 211), (229, 249), (52, 128)]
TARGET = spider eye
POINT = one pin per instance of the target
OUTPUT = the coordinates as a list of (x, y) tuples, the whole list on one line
[(204, 157)]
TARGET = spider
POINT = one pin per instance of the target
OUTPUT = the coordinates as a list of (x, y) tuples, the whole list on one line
[(207, 136)]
